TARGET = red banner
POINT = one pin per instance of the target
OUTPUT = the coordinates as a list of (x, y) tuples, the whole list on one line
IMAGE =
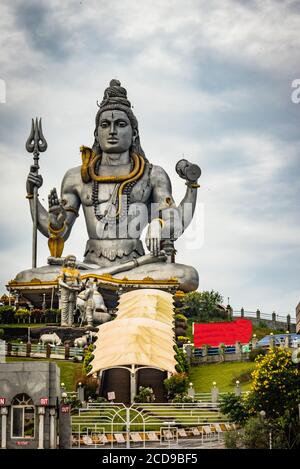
[(227, 333)]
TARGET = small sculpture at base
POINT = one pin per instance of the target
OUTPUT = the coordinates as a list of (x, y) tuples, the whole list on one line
[(91, 305), (69, 286)]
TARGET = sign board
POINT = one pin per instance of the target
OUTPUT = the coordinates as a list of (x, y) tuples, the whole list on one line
[(2, 400), (111, 396), (245, 348), (44, 401), (65, 409)]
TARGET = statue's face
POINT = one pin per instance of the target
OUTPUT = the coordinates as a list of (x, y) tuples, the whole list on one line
[(114, 132), (71, 262)]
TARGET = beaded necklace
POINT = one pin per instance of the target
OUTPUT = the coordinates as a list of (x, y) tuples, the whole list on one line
[(124, 190)]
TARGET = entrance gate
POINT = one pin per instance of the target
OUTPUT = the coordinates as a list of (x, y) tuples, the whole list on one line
[(115, 425)]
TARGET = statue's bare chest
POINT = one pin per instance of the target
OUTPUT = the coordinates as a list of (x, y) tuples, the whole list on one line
[(102, 193)]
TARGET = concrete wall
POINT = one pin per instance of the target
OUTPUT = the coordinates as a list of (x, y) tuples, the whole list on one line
[(37, 380)]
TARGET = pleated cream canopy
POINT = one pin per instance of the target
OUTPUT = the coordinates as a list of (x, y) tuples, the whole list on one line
[(141, 334)]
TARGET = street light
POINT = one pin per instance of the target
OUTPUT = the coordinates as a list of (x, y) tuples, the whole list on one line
[(263, 415)]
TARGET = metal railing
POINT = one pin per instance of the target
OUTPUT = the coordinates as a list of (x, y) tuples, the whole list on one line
[(41, 351), (114, 424)]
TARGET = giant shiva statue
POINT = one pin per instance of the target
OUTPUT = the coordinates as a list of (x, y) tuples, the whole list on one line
[(121, 193)]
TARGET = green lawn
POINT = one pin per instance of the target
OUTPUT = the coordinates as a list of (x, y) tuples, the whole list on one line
[(70, 372), (203, 376)]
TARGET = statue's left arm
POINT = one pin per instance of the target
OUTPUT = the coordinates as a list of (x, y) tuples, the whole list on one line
[(173, 219)]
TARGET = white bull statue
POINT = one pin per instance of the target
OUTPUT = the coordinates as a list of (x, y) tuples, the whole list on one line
[(52, 339), (85, 339)]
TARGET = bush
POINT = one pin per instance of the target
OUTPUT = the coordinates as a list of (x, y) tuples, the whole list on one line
[(90, 385), (22, 313), (234, 407), (254, 435), (180, 317), (176, 384), (7, 314), (182, 398), (181, 358), (36, 313), (256, 352), (243, 377), (182, 339), (145, 394), (52, 311), (88, 357), (1, 333)]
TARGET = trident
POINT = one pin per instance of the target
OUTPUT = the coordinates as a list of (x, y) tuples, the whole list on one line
[(35, 144)]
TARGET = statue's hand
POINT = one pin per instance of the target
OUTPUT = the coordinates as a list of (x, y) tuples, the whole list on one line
[(153, 237), (33, 180), (188, 171), (57, 213)]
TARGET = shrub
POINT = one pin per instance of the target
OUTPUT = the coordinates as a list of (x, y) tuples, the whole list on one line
[(36, 313), (234, 407), (145, 394), (1, 333), (180, 317), (182, 398), (262, 325), (176, 384), (90, 385), (52, 311), (256, 352), (88, 357), (22, 313), (243, 377), (181, 358), (6, 314), (183, 339)]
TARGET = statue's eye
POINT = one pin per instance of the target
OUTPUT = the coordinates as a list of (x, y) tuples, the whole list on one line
[(104, 124), (122, 124)]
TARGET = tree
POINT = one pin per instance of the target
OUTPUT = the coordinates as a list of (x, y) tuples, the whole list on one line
[(276, 384), (271, 407), (203, 306)]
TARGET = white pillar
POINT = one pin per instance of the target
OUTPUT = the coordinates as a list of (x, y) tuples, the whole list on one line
[(41, 412), (132, 384), (4, 412), (52, 429)]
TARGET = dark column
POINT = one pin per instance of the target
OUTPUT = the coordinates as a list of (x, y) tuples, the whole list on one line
[(65, 432)]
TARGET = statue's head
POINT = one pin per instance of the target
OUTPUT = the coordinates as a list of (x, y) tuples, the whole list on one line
[(70, 261), (116, 108)]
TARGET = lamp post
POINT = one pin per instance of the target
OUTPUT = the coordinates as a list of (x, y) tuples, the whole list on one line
[(263, 414), (214, 393), (238, 390), (44, 302), (191, 392)]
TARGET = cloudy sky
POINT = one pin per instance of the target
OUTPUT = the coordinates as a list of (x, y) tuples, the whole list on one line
[(208, 80)]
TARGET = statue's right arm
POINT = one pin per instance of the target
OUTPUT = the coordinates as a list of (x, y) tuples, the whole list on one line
[(70, 198), (69, 203)]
